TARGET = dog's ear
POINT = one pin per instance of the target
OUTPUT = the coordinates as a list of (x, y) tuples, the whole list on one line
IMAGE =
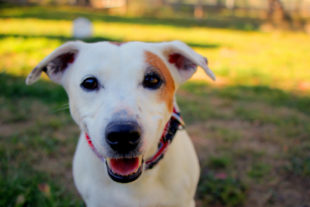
[(56, 63), (185, 60)]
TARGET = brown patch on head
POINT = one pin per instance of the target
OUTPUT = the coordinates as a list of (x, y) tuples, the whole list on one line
[(117, 43), (167, 92)]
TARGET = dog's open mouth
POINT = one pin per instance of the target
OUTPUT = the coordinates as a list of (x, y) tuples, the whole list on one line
[(124, 170)]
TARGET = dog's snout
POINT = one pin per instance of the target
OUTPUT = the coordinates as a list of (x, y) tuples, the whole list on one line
[(123, 137)]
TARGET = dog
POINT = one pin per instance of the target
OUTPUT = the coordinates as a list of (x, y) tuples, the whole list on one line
[(132, 150)]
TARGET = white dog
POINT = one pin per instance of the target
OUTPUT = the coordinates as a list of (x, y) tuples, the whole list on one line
[(122, 96)]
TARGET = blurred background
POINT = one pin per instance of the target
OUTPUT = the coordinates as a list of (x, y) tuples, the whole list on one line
[(251, 127)]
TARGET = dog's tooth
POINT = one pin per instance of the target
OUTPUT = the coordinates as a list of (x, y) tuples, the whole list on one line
[(108, 161)]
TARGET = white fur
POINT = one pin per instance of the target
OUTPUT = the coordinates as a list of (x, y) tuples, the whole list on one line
[(120, 70)]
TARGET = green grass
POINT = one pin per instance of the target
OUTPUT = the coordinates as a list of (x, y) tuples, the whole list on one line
[(222, 191), (160, 18), (23, 187), (258, 170), (236, 56), (251, 128), (219, 162)]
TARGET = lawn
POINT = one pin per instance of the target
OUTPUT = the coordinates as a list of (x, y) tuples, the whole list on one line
[(251, 127)]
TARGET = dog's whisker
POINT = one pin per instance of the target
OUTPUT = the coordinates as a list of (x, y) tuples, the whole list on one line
[(62, 108)]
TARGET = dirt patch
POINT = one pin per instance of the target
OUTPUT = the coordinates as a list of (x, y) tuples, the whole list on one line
[(252, 148)]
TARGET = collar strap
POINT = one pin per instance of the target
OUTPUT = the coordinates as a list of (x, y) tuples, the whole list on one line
[(174, 124), (171, 128), (92, 146)]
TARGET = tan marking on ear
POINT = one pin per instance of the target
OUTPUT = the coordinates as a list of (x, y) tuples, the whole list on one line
[(167, 92)]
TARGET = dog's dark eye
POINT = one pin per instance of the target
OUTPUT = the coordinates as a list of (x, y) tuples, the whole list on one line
[(152, 81), (90, 84)]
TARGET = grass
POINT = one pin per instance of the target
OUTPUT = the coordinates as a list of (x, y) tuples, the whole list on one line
[(222, 191), (246, 57), (24, 187), (251, 128)]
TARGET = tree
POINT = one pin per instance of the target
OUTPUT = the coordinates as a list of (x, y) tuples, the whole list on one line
[(276, 12), (83, 2), (219, 3), (198, 11)]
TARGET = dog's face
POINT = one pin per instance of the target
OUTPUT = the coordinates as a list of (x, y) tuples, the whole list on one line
[(122, 96)]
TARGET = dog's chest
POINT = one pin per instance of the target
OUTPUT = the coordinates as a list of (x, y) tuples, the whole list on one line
[(98, 190), (122, 197), (148, 194)]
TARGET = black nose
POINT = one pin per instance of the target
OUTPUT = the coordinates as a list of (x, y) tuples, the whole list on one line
[(123, 137)]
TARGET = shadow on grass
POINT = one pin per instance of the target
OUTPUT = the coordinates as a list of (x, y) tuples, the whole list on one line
[(22, 186), (214, 20), (254, 94), (14, 87), (62, 38), (93, 39)]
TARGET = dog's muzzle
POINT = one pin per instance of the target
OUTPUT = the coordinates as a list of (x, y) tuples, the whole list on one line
[(124, 138)]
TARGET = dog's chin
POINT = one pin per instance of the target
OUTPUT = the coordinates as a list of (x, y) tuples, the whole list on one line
[(124, 170)]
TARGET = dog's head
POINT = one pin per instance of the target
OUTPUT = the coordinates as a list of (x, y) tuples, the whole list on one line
[(121, 95)]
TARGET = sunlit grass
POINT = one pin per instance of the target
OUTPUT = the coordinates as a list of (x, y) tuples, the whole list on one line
[(237, 57)]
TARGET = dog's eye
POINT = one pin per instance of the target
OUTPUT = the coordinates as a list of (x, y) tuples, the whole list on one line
[(152, 81), (90, 83)]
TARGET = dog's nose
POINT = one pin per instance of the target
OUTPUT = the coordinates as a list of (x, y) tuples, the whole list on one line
[(123, 137)]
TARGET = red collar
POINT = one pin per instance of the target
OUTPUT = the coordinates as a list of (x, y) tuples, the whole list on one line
[(171, 128), (175, 123)]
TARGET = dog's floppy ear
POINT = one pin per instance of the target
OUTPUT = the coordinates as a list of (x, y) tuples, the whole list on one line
[(55, 64), (185, 60)]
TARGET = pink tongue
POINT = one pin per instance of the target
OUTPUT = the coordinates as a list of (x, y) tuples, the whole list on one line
[(124, 166)]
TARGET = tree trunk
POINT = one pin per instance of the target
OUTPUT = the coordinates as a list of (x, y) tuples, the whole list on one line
[(177, 6), (276, 12), (198, 11), (83, 2), (219, 4)]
